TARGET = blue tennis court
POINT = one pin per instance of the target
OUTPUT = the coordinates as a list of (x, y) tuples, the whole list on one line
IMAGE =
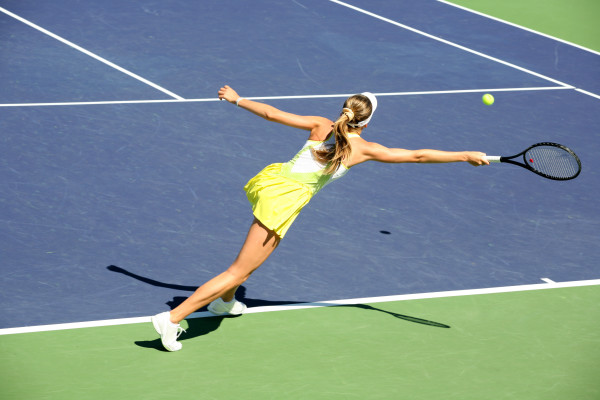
[(155, 187), (122, 173)]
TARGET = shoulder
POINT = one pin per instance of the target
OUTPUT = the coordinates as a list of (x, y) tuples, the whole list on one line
[(320, 129), (361, 145), (363, 150)]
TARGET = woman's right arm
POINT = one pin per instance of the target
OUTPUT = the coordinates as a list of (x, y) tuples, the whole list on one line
[(367, 151)]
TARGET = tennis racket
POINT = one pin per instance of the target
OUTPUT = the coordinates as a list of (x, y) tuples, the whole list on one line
[(550, 160)]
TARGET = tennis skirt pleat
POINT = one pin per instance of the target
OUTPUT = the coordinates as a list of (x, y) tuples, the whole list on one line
[(276, 200)]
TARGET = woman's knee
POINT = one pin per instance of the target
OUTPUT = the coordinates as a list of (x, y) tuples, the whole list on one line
[(238, 275)]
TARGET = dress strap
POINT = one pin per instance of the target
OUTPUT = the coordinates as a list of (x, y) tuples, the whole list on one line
[(351, 135)]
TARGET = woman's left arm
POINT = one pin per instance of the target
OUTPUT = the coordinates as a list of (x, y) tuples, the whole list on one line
[(318, 126)]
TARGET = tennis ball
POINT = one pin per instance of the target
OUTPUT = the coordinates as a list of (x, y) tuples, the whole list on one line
[(488, 99)]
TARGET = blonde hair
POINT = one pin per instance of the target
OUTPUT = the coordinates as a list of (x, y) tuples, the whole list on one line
[(357, 108)]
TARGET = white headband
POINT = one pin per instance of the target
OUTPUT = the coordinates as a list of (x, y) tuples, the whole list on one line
[(373, 100)]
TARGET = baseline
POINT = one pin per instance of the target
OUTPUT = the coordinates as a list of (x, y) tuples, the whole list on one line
[(300, 306)]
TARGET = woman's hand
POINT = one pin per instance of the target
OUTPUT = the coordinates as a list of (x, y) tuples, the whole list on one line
[(477, 158), (227, 93)]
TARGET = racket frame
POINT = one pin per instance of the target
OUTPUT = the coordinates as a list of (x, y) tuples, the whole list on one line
[(524, 164)]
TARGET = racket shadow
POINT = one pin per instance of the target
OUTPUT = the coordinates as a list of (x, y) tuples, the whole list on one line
[(399, 316), (203, 326)]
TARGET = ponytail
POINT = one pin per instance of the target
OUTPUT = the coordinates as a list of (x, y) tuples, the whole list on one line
[(356, 109), (334, 155)]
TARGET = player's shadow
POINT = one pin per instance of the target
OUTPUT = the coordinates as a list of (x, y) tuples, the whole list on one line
[(203, 326), (240, 294), (196, 327)]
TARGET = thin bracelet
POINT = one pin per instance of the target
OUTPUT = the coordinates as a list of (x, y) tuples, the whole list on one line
[(237, 102)]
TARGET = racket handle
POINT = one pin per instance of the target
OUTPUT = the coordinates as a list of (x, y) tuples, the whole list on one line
[(493, 158)]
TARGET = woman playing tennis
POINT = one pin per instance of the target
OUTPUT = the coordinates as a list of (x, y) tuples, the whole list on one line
[(280, 191)]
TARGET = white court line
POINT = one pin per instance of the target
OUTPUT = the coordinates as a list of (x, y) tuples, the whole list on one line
[(316, 96), (588, 93), (448, 42), (89, 53), (519, 26), (300, 306), (108, 102)]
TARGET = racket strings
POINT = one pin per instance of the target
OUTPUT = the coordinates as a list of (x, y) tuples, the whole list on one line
[(553, 161)]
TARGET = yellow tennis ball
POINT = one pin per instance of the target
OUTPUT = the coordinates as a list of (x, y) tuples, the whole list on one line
[(488, 99)]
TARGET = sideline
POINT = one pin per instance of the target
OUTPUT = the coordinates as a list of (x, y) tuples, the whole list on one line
[(89, 53)]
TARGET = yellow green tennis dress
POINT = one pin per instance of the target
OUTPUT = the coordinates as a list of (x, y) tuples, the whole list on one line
[(280, 191)]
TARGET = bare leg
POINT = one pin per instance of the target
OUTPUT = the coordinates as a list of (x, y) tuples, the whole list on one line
[(258, 246), (229, 295)]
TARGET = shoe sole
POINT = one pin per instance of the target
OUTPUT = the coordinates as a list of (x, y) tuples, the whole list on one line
[(226, 313), (156, 326)]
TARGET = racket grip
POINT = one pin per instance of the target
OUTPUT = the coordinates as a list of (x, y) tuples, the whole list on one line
[(493, 158)]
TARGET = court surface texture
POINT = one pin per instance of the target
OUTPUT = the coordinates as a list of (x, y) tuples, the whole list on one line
[(121, 180)]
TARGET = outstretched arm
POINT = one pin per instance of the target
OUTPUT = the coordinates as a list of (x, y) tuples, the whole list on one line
[(316, 125), (365, 151)]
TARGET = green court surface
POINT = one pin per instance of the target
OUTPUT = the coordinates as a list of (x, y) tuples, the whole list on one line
[(575, 21), (541, 344)]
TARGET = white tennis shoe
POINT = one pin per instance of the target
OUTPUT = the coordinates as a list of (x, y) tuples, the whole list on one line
[(220, 307), (168, 331)]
